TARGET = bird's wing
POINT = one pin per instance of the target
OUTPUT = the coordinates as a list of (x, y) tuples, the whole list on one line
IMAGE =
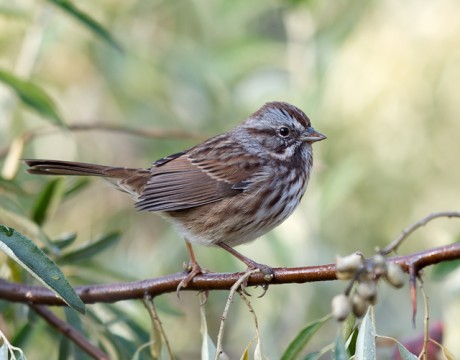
[(200, 176)]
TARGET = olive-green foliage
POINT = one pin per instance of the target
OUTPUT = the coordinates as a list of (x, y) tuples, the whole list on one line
[(379, 78)]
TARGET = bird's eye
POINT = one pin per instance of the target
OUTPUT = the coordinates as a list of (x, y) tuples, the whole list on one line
[(284, 131)]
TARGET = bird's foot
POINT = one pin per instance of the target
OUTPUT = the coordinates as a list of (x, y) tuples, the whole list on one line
[(192, 269)]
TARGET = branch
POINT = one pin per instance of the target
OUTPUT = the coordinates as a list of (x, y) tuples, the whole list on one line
[(411, 228), (109, 293), (148, 133), (69, 331)]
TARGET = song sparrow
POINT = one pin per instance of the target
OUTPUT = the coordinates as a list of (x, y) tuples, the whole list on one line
[(226, 191)]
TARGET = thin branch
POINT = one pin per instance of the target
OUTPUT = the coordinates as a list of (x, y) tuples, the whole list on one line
[(70, 332), (426, 329), (109, 293), (410, 229), (234, 288), (156, 324), (147, 133)]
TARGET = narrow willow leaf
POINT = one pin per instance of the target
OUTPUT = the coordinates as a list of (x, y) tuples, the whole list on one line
[(351, 346), (312, 356), (302, 339), (405, 354), (87, 21), (258, 351), (4, 352), (89, 250), (33, 96), (208, 348), (245, 355), (13, 158), (64, 240), (348, 326), (26, 227), (365, 344), (22, 250), (74, 320), (64, 348), (47, 200), (340, 353), (79, 184)]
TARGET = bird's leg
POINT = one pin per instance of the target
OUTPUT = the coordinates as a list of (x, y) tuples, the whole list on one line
[(193, 268), (268, 272)]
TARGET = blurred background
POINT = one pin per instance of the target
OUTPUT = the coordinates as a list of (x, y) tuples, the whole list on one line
[(380, 78)]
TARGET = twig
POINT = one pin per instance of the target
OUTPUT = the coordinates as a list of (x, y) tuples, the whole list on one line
[(256, 322), (426, 336), (148, 133), (70, 332), (233, 289), (156, 323), (110, 293), (410, 229)]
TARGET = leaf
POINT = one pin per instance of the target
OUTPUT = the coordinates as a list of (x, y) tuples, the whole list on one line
[(26, 227), (21, 249), (302, 339), (405, 354), (208, 348), (4, 352), (365, 344), (352, 342), (64, 240), (74, 320), (12, 159), (312, 356), (87, 21), (33, 96), (348, 326), (47, 200), (340, 353), (90, 249), (78, 185)]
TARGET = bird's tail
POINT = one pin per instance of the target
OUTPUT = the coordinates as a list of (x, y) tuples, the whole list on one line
[(130, 180)]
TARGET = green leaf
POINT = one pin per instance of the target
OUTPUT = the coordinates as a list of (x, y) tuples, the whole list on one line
[(365, 344), (88, 22), (340, 353), (302, 339), (64, 240), (405, 354), (47, 200), (79, 184), (88, 250), (352, 344), (4, 351), (74, 320), (33, 96), (21, 249), (64, 348), (25, 227), (312, 356)]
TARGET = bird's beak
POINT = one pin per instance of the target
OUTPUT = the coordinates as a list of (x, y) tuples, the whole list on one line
[(311, 136)]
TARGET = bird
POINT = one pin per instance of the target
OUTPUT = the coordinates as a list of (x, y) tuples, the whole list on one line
[(226, 191)]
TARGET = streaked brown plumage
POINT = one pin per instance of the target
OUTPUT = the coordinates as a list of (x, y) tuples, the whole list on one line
[(226, 191)]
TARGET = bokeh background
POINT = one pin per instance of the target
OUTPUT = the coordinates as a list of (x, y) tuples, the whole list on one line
[(380, 78)]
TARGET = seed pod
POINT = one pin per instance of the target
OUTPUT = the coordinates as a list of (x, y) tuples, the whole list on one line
[(358, 305), (395, 275), (380, 265), (368, 291), (341, 307), (347, 266)]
